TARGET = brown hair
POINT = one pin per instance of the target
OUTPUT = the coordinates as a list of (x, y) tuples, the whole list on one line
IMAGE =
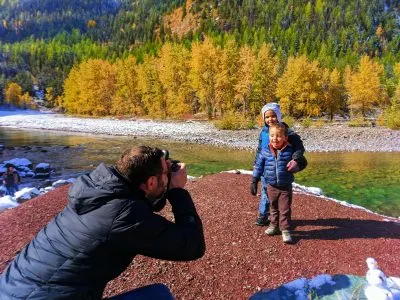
[(137, 164), (281, 127)]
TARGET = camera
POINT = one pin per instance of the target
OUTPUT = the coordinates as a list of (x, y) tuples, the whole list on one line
[(174, 163)]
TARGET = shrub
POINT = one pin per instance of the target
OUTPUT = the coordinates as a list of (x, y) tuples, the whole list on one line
[(391, 117), (289, 121), (306, 122), (232, 121), (358, 122), (319, 123)]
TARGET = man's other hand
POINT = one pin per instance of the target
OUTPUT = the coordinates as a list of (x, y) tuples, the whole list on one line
[(179, 178), (253, 187), (292, 166)]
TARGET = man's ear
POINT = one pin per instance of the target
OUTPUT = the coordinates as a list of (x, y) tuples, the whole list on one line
[(150, 184)]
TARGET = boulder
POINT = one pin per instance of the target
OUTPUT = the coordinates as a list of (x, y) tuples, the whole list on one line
[(42, 170)]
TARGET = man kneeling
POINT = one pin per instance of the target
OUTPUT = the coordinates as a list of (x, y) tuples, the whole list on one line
[(108, 220)]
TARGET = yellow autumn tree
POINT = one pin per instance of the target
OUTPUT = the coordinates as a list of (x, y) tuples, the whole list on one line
[(226, 77), (244, 88), (25, 101), (333, 100), (127, 100), (300, 88), (90, 88), (13, 94), (173, 67), (396, 97), (151, 89), (266, 76), (204, 69), (364, 88), (70, 100)]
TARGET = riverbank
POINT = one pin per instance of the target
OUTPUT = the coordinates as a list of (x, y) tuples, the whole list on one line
[(240, 259), (337, 137)]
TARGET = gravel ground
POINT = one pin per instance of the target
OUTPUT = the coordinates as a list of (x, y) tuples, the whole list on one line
[(331, 138), (240, 258)]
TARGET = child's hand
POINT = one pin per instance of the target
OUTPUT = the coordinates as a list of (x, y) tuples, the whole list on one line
[(253, 186), (292, 166)]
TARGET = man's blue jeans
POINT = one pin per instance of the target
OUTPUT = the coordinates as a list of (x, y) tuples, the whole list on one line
[(155, 291), (11, 189), (263, 208)]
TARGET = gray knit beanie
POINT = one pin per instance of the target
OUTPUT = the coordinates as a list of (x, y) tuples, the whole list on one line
[(274, 107)]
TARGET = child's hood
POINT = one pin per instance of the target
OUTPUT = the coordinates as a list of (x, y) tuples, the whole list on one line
[(274, 107)]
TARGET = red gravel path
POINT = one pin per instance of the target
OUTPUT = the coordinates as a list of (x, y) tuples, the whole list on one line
[(240, 259)]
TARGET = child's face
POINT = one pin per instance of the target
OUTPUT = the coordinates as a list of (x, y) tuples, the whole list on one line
[(270, 117), (277, 138)]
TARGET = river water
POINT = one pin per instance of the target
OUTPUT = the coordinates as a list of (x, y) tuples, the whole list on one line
[(368, 179)]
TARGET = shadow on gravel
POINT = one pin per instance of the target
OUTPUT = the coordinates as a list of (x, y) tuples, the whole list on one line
[(338, 228)]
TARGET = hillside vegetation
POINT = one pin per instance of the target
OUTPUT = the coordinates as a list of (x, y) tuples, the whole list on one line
[(306, 54)]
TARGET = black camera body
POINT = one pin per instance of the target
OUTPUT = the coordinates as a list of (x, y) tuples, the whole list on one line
[(174, 163)]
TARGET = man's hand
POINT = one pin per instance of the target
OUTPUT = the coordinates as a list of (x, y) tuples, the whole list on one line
[(253, 186), (179, 178), (293, 166)]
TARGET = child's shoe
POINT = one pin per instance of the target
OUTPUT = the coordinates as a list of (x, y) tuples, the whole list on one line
[(272, 230), (286, 237), (262, 220)]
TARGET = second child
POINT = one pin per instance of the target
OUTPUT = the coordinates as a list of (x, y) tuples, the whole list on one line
[(271, 115), (272, 165)]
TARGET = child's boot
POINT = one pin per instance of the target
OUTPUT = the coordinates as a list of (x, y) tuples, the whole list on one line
[(286, 237), (272, 230), (262, 220)]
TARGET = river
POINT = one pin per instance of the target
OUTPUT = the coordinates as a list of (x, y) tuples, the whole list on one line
[(369, 179)]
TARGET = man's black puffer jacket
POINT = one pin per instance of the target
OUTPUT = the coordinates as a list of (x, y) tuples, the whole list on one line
[(96, 237)]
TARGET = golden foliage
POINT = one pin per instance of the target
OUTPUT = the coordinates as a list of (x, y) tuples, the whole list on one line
[(300, 88), (127, 99), (266, 77), (245, 86), (13, 94), (173, 67), (91, 24), (151, 89), (204, 69), (333, 93), (364, 87), (90, 88)]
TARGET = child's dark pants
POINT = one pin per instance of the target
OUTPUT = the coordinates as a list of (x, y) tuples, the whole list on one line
[(280, 198)]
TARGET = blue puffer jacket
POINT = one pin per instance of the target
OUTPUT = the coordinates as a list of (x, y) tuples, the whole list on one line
[(273, 168), (293, 138)]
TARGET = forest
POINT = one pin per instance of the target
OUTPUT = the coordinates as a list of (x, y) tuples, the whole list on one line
[(170, 59)]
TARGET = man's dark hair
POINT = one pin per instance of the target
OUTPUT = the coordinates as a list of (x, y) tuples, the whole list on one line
[(280, 126), (137, 164)]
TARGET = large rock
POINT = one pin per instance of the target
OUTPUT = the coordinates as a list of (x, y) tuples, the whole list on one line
[(43, 170)]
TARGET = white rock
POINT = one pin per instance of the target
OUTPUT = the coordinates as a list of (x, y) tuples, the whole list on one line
[(7, 202)]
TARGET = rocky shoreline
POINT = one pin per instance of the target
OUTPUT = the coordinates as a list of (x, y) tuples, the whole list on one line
[(336, 137)]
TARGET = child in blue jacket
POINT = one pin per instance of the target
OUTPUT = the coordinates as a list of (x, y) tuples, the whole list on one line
[(272, 163), (271, 114)]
